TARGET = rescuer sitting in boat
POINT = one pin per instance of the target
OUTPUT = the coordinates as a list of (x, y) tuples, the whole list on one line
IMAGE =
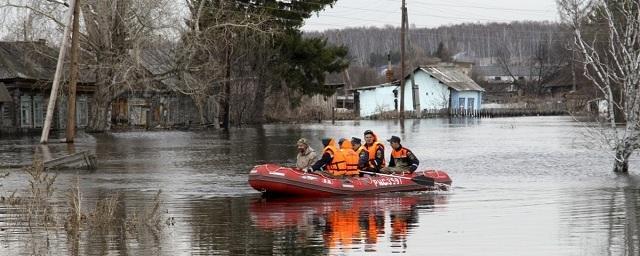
[(375, 150), (351, 158), (402, 159), (332, 162), (306, 155), (363, 154)]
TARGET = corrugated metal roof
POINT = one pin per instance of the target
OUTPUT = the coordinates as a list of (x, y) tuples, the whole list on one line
[(371, 87), (453, 77), (4, 94)]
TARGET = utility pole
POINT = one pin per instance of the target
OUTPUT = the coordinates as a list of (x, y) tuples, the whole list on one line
[(415, 90), (56, 78), (71, 101), (226, 121), (347, 86), (226, 86), (402, 35)]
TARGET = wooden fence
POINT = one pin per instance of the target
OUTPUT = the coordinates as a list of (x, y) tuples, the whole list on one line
[(532, 110)]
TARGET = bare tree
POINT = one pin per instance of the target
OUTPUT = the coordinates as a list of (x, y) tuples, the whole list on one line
[(116, 29), (217, 53), (611, 63), (112, 33), (545, 64)]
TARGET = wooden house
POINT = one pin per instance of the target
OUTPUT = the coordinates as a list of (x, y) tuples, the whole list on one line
[(26, 75), (150, 101)]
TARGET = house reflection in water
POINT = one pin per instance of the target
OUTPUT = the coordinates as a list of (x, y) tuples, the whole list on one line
[(344, 224)]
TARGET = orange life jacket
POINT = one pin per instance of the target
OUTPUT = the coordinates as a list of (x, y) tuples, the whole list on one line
[(351, 157), (359, 151), (400, 155), (338, 165), (372, 153)]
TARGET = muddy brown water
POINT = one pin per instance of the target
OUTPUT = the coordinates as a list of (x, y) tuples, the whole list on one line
[(522, 186)]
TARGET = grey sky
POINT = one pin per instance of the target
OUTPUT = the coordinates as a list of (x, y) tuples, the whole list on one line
[(430, 13)]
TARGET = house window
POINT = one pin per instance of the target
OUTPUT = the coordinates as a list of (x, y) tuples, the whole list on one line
[(3, 115), (470, 104), (38, 111), (461, 103), (25, 111), (82, 118), (497, 78), (521, 78)]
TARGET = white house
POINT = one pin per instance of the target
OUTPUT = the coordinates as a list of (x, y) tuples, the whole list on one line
[(437, 87)]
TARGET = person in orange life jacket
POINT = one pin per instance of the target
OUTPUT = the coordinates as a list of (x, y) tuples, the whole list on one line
[(332, 160), (402, 159), (375, 150), (363, 154), (351, 158)]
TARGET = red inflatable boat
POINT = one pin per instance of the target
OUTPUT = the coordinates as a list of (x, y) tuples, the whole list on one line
[(273, 179)]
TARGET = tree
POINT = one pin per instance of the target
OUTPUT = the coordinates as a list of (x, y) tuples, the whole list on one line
[(112, 32), (115, 30), (607, 37), (303, 63), (215, 50), (285, 57), (443, 53)]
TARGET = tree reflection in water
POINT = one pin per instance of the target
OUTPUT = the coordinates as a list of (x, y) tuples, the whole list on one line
[(344, 224)]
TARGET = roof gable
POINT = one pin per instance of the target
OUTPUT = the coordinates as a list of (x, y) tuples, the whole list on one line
[(34, 61), (27, 60)]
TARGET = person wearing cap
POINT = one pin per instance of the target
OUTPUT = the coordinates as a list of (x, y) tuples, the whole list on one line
[(306, 155), (375, 150), (332, 161), (361, 151), (402, 159)]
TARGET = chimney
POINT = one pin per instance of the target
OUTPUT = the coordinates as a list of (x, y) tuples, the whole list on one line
[(389, 71)]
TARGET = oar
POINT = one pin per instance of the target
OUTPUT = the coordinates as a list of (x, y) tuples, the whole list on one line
[(421, 180)]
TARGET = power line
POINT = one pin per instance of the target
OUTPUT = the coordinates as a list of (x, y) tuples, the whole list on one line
[(482, 7)]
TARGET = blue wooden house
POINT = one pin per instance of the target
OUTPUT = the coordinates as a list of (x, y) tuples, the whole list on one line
[(442, 87)]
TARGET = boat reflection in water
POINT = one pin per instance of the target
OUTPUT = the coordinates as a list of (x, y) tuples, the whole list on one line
[(381, 223)]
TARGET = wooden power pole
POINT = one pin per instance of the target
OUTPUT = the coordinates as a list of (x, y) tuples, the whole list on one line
[(403, 29), (71, 101), (56, 78)]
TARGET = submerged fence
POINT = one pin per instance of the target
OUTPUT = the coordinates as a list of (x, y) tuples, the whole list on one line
[(506, 112), (541, 109)]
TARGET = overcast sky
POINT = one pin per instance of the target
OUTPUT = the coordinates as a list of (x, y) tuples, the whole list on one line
[(430, 13)]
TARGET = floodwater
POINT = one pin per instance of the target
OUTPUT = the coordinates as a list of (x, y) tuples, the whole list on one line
[(521, 186)]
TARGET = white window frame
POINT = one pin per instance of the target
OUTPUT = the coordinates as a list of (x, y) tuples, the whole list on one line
[(471, 104), (38, 111), (26, 110), (82, 108)]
